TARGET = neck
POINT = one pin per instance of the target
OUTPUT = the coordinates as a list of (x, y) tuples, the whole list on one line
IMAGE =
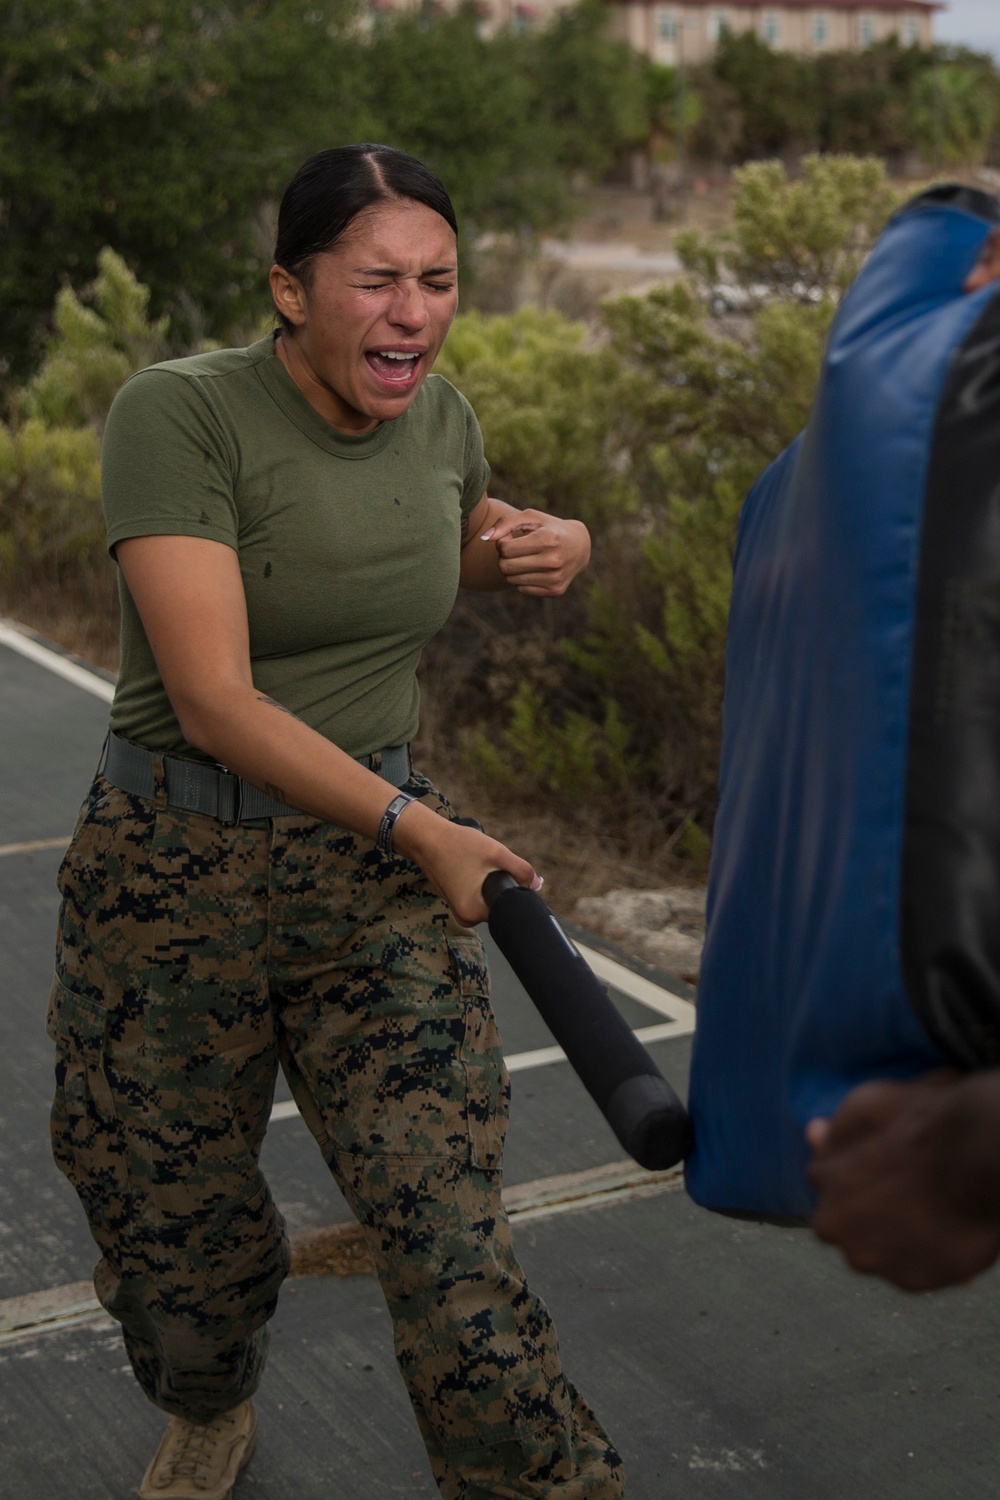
[(320, 397)]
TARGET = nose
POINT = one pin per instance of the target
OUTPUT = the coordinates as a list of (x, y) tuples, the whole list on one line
[(409, 305)]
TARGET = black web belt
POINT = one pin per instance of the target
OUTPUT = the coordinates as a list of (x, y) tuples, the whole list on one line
[(196, 786)]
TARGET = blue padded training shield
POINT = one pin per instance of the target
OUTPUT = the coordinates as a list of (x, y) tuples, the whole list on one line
[(854, 898)]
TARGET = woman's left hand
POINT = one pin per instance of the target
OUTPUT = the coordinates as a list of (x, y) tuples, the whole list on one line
[(537, 553)]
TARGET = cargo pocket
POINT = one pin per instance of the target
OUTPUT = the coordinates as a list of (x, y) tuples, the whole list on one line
[(88, 1141), (193, 1147), (488, 1086)]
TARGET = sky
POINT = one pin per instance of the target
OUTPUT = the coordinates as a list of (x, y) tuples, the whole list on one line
[(974, 22)]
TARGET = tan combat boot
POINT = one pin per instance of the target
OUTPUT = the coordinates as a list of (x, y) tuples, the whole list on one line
[(200, 1460)]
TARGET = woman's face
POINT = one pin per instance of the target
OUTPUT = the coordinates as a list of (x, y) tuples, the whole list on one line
[(370, 323)]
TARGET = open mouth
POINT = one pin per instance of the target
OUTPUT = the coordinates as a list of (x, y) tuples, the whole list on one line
[(394, 366)]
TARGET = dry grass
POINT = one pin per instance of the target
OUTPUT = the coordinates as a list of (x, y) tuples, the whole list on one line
[(63, 618), (619, 213), (340, 1250), (577, 859)]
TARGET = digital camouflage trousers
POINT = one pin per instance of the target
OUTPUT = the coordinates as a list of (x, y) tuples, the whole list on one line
[(192, 958)]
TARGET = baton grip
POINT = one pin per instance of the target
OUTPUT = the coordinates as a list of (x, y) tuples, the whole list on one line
[(638, 1103)]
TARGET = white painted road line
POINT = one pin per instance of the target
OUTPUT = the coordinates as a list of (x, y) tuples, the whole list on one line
[(62, 666), (616, 1182), (286, 1110), (50, 1311), (644, 990), (63, 1307), (34, 846), (679, 1014), (541, 1057)]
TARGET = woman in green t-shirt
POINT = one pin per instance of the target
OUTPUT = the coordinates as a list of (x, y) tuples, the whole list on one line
[(259, 873)]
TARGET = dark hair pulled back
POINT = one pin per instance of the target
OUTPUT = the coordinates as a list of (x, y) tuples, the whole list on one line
[(331, 188)]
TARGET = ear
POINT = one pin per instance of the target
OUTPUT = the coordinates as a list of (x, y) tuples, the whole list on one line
[(289, 295), (987, 267)]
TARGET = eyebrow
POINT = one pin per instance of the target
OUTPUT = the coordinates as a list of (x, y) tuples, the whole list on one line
[(390, 271)]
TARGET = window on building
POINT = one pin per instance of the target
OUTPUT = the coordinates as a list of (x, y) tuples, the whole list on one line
[(820, 30), (770, 28), (718, 22), (666, 24), (866, 30), (911, 31)]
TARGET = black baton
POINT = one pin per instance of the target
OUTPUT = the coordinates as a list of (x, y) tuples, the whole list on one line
[(638, 1103)]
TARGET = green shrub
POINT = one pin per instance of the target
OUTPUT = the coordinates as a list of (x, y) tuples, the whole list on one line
[(50, 501), (93, 349), (51, 527), (802, 239), (555, 409), (953, 113), (603, 706), (609, 705)]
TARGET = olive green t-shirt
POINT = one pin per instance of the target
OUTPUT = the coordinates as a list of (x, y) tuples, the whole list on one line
[(348, 546)]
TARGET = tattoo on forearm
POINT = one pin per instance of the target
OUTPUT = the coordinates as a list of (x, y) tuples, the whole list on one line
[(273, 703), (277, 792)]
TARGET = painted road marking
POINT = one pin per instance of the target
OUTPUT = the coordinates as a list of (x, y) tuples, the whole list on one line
[(615, 1182), (679, 1014), (62, 666), (653, 996), (33, 846), (49, 1312), (74, 1305), (540, 1057)]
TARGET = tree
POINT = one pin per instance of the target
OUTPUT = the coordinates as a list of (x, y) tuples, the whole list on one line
[(864, 98), (97, 341), (554, 409), (623, 713), (774, 91), (158, 127), (589, 87), (168, 129), (467, 107), (953, 113), (804, 239)]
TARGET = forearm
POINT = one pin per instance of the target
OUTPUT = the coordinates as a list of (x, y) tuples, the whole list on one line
[(189, 591), (258, 739), (480, 562)]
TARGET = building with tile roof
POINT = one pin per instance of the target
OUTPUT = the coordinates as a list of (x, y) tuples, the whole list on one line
[(686, 31), (672, 31)]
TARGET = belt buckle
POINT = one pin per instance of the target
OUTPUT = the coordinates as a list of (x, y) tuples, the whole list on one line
[(228, 779)]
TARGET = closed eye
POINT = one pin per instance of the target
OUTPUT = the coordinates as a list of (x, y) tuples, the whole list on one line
[(380, 286)]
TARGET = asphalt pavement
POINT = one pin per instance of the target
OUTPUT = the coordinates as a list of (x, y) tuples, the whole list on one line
[(726, 1358)]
